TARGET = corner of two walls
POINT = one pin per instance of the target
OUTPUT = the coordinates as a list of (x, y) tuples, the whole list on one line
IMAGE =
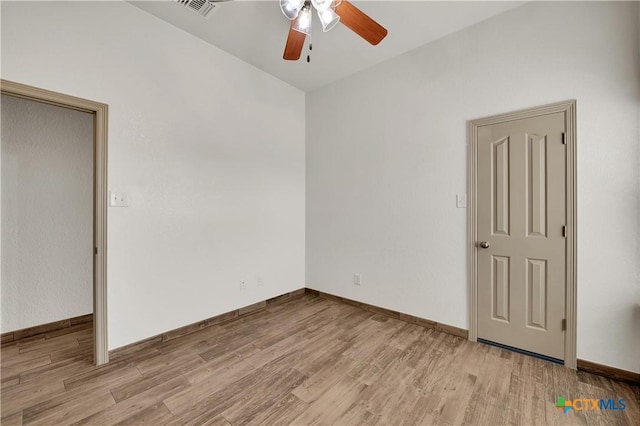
[(387, 153), (215, 183)]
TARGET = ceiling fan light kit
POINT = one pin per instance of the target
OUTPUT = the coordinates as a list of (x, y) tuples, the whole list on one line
[(291, 8), (329, 18), (303, 22), (321, 4)]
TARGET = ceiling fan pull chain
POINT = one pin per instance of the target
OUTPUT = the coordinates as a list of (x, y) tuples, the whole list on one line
[(310, 49)]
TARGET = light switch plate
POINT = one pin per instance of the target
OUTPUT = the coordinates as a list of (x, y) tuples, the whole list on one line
[(461, 201), (357, 279), (117, 199)]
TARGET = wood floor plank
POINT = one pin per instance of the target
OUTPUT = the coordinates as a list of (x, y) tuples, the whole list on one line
[(12, 357), (282, 412), (309, 360), (367, 337), (163, 361), (12, 420), (457, 392), (420, 414), (82, 351), (157, 414), (57, 371), (265, 395), (104, 376), (405, 336), (19, 367), (333, 404), (403, 407), (202, 389), (8, 381), (132, 407), (387, 390), (371, 368), (263, 380), (208, 368), (225, 347), (325, 379), (291, 344), (45, 346), (356, 414), (192, 343), (18, 397), (218, 420), (323, 348), (68, 407), (628, 393), (144, 383)]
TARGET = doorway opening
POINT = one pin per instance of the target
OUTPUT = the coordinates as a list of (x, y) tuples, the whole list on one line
[(99, 112)]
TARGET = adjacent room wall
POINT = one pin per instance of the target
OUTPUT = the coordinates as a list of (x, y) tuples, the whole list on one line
[(214, 176), (47, 213), (387, 154)]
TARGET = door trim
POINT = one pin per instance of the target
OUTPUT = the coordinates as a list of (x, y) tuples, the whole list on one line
[(569, 110), (100, 113)]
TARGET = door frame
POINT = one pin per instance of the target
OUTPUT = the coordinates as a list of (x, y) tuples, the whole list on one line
[(569, 110), (100, 127)]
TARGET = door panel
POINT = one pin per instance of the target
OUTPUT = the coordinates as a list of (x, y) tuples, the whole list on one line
[(500, 299), (537, 185), (521, 203), (500, 186), (537, 293)]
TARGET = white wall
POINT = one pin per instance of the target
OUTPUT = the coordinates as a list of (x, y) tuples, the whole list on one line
[(47, 213), (215, 180), (386, 156)]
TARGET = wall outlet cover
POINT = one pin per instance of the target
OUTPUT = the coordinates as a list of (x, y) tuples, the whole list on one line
[(118, 199)]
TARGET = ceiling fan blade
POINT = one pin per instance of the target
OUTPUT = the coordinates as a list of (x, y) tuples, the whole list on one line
[(295, 43), (360, 23)]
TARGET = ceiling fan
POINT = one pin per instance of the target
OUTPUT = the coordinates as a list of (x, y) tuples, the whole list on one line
[(299, 12), (330, 13)]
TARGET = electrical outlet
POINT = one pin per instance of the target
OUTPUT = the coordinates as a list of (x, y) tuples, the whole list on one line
[(243, 285), (260, 281), (357, 279), (117, 199)]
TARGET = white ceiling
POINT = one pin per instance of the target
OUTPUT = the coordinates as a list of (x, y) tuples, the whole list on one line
[(256, 31)]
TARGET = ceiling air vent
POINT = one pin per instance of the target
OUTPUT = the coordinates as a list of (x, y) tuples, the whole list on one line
[(204, 8)]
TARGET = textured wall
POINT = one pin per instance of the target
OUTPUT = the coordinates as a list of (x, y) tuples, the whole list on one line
[(387, 154), (47, 213), (209, 149)]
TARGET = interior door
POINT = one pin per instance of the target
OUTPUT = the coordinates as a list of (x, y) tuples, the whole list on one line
[(521, 247)]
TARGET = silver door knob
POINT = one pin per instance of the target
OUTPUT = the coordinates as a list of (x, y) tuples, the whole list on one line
[(484, 244)]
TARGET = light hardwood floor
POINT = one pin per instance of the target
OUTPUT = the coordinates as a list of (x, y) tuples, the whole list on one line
[(306, 361)]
